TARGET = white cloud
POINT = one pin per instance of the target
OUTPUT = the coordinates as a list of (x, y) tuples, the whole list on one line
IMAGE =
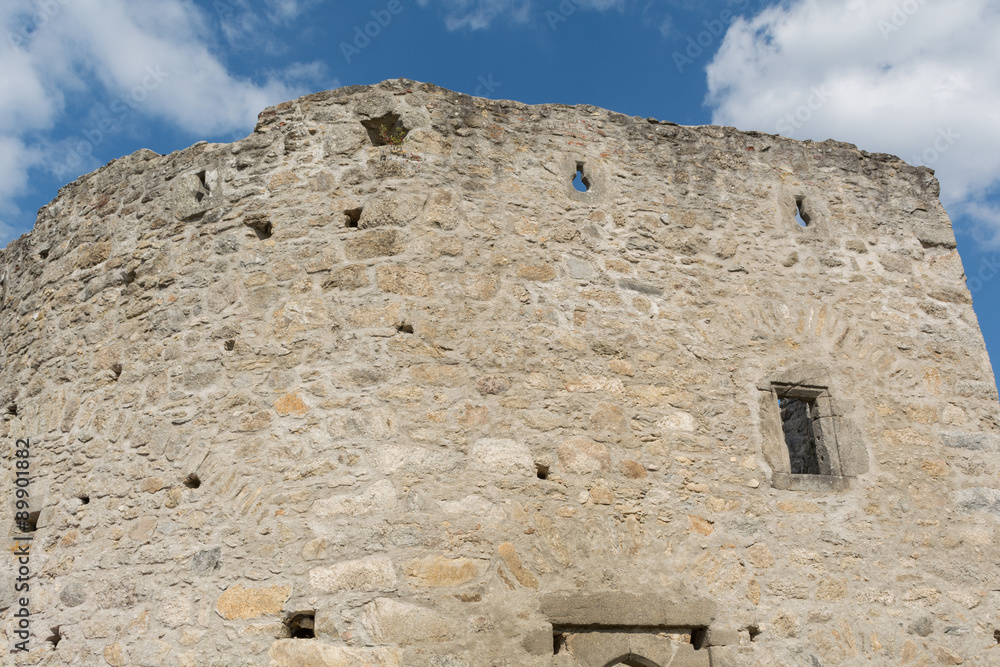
[(479, 14), (149, 57), (910, 77)]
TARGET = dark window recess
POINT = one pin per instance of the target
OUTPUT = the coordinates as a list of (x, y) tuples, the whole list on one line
[(30, 524), (302, 625), (405, 328), (558, 642), (542, 471), (353, 217), (581, 182), (260, 224), (85, 500), (44, 254), (386, 130), (754, 631), (55, 637), (12, 409), (797, 415), (192, 481), (200, 195), (229, 345), (699, 638), (801, 216), (996, 636)]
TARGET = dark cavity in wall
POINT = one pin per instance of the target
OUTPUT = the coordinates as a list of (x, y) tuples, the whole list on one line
[(405, 328), (84, 499), (699, 638), (352, 217), (198, 196), (801, 215), (797, 425), (116, 368), (260, 224), (386, 130), (192, 481), (55, 637), (29, 525), (229, 345), (43, 254), (542, 471), (581, 182), (302, 625)]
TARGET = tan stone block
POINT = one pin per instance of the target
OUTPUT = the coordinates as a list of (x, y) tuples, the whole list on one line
[(760, 556), (402, 280), (946, 657), (936, 468), (439, 374), (298, 653), (502, 457), (152, 484), (537, 272), (392, 622), (243, 603), (375, 316), (482, 286), (347, 278), (678, 421), (510, 558), (632, 469), (799, 507), (601, 493), (591, 383), (378, 243), (621, 367), (369, 574), (583, 455), (831, 589), (291, 404), (700, 525), (441, 571), (114, 654), (379, 498)]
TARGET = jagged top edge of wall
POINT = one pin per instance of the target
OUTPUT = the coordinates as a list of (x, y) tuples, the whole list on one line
[(273, 114)]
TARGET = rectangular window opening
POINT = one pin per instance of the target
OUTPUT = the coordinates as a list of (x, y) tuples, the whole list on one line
[(797, 417)]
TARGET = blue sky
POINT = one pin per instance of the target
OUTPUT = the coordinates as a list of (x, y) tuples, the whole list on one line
[(83, 82)]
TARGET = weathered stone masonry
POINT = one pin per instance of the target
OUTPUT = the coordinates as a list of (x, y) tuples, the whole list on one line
[(377, 386)]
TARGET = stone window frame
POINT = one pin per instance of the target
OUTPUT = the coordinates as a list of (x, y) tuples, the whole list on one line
[(840, 450)]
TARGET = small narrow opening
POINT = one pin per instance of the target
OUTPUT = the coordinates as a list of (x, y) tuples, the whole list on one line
[(801, 216), (405, 328), (386, 130), (30, 524), (43, 254), (699, 637), (558, 642), (201, 178), (84, 499), (302, 625), (261, 226), (580, 181), (229, 345), (116, 368), (754, 631), (996, 636), (128, 277), (12, 409), (797, 416), (353, 217), (55, 637), (542, 471), (192, 481)]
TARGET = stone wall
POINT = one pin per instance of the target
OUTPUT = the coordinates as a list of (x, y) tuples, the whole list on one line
[(307, 400)]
